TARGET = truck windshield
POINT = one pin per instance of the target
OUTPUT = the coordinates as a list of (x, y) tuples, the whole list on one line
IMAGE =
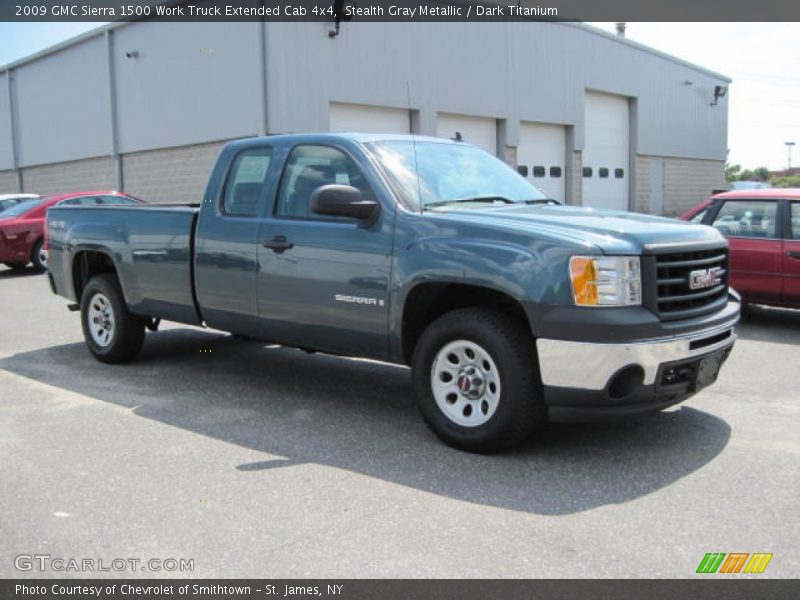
[(441, 175)]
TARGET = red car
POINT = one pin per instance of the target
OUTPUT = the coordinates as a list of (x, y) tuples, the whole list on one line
[(763, 229), (22, 225)]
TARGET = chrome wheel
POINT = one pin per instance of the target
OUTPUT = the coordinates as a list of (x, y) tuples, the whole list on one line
[(43, 257), (101, 320), (465, 383)]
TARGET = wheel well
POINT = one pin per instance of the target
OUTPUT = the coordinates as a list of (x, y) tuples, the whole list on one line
[(86, 265), (428, 301)]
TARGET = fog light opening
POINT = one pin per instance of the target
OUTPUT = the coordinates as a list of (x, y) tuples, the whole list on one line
[(625, 382)]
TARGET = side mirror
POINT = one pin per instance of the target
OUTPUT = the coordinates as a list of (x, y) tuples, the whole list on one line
[(344, 201)]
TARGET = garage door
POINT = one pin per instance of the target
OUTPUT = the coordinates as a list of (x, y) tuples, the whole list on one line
[(605, 153), (368, 119), (478, 131), (541, 154)]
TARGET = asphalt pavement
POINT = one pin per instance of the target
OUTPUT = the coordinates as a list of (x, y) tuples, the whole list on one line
[(253, 460)]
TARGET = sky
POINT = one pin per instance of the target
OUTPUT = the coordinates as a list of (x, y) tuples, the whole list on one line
[(763, 59)]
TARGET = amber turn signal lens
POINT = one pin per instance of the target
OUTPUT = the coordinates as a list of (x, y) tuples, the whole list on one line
[(584, 280)]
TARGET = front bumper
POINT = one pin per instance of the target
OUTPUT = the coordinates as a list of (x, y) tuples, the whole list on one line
[(594, 380)]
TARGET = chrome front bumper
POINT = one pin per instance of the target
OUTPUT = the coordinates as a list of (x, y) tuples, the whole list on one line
[(590, 366)]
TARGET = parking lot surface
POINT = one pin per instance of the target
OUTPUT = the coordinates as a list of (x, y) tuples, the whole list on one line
[(262, 461)]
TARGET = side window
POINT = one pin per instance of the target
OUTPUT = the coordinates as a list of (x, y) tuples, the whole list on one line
[(116, 200), (245, 182), (538, 171), (603, 172), (310, 167), (587, 171), (555, 171), (81, 201), (698, 218), (795, 220), (747, 218)]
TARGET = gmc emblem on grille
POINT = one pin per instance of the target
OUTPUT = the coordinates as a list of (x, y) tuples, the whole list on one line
[(704, 278)]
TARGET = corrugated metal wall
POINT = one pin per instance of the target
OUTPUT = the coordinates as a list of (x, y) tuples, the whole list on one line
[(185, 84)]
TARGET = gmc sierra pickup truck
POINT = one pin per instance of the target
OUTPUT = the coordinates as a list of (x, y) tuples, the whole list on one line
[(510, 310)]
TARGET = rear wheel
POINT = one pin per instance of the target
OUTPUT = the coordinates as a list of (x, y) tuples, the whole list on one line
[(112, 333), (38, 257), (477, 382)]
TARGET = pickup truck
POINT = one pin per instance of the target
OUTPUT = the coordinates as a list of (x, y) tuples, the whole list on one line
[(510, 310)]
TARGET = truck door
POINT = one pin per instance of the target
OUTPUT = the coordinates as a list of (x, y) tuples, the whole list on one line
[(323, 282), (791, 256), (226, 260)]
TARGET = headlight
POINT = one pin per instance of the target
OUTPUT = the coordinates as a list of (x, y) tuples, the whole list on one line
[(606, 280)]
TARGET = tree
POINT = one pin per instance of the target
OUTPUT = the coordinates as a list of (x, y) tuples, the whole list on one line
[(762, 173), (732, 172)]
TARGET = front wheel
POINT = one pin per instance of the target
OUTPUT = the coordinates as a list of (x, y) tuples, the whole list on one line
[(112, 334), (477, 382), (38, 257)]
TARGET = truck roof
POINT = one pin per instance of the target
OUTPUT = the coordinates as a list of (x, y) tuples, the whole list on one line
[(361, 138)]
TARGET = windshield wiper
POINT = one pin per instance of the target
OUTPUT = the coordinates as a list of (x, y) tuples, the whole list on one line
[(491, 199)]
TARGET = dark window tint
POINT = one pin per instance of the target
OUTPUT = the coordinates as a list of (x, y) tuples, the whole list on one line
[(246, 181), (522, 170), (602, 172), (619, 173), (795, 220), (81, 201), (587, 171), (747, 218), (310, 167), (538, 171), (118, 200), (555, 171)]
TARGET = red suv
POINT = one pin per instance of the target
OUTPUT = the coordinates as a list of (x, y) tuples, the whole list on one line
[(22, 225), (763, 229)]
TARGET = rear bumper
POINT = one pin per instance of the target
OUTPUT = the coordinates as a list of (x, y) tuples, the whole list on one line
[(594, 380)]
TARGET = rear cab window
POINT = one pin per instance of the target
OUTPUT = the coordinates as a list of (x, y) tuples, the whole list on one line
[(246, 181)]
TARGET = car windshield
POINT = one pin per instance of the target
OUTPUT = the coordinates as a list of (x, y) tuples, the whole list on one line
[(441, 175), (20, 208)]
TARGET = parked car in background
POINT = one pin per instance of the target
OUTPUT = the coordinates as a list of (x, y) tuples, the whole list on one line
[(22, 227), (763, 229), (9, 200)]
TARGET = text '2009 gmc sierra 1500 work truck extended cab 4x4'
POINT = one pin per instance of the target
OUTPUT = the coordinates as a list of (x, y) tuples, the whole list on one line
[(510, 310)]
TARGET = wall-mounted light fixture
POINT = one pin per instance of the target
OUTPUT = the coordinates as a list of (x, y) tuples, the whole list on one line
[(339, 16), (132, 54), (719, 92)]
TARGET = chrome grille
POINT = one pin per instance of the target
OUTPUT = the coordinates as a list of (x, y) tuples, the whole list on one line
[(691, 284)]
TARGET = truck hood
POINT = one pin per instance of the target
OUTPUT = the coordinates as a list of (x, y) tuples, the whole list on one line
[(613, 232)]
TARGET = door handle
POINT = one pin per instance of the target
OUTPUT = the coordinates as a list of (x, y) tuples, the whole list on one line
[(793, 254), (278, 244)]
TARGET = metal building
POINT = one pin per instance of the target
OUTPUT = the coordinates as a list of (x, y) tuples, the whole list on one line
[(589, 117)]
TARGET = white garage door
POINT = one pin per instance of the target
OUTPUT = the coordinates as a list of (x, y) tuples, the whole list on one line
[(605, 153), (542, 154), (368, 119), (478, 131)]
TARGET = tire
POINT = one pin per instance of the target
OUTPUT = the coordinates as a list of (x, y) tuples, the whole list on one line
[(36, 257), (500, 382), (112, 333), (16, 266)]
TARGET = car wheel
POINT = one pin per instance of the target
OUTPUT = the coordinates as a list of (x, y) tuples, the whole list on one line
[(38, 258), (477, 381), (112, 333)]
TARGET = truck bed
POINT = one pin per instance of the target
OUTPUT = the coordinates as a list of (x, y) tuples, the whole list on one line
[(150, 245)]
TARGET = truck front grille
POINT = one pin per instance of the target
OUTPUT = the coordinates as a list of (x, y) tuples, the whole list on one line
[(691, 284)]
